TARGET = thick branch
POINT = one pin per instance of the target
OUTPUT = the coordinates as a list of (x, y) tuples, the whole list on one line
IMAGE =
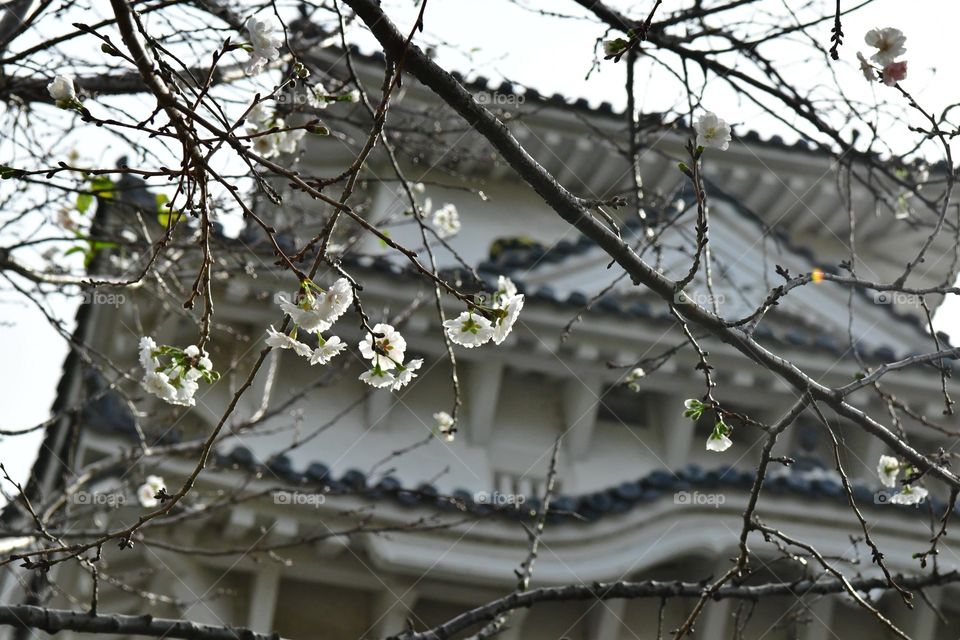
[(658, 589), (54, 620)]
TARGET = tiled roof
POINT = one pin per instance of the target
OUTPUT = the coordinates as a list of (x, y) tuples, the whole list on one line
[(110, 415), (621, 498)]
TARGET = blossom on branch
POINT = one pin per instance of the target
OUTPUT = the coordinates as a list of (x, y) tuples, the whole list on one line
[(328, 349), (895, 72), (469, 329), (909, 495), (386, 349), (147, 493), (712, 132), (176, 380), (279, 340), (63, 92), (447, 221), (888, 42), (869, 73), (888, 468), (445, 426), (719, 439), (265, 45)]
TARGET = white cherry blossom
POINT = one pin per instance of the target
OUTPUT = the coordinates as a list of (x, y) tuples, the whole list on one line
[(406, 373), (306, 313), (445, 425), (888, 42), (503, 326), (718, 442), (909, 495), (62, 91), (712, 132), (159, 385), (469, 329), (147, 360), (264, 42), (446, 219), (888, 468), (378, 378), (148, 490), (279, 340), (330, 348), (385, 352)]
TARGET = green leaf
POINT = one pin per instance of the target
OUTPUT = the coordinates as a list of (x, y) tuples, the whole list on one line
[(102, 186), (84, 200), (164, 212)]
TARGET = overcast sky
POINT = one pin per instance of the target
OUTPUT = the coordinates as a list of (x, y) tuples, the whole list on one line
[(552, 55)]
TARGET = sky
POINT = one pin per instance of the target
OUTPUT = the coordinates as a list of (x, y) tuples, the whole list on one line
[(551, 55)]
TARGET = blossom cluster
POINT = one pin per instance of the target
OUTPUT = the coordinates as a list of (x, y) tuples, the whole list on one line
[(889, 46), (264, 44), (268, 143), (888, 469), (719, 439), (473, 328), (173, 374), (314, 310)]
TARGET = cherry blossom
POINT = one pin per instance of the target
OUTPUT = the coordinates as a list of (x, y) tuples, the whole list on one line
[(62, 90), (385, 352), (469, 329), (378, 378), (445, 425), (503, 325), (909, 495), (719, 439), (319, 312), (895, 72), (279, 340), (447, 221), (159, 385), (147, 349), (264, 43), (718, 442), (712, 132), (328, 349), (147, 492), (404, 374), (866, 68), (888, 468), (173, 374), (888, 42)]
